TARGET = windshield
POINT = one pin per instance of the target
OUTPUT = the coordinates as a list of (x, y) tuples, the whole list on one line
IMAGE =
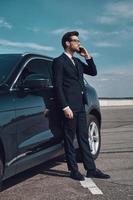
[(7, 62)]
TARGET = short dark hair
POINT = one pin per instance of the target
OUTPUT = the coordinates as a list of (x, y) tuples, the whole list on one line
[(66, 37)]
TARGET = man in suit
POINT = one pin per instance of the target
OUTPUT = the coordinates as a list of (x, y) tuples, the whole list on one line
[(71, 98)]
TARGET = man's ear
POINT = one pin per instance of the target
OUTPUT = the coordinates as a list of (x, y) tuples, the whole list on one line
[(67, 43)]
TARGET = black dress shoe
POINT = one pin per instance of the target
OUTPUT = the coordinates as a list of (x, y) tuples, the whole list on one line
[(76, 175), (97, 174)]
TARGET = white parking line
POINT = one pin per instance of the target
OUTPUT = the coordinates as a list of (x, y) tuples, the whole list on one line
[(88, 183)]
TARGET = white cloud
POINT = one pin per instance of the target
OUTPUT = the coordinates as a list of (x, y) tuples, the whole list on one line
[(106, 44), (79, 22), (25, 45), (104, 79), (60, 31), (34, 29), (116, 11), (95, 54), (84, 33), (4, 23), (113, 38), (121, 9), (93, 34), (106, 20)]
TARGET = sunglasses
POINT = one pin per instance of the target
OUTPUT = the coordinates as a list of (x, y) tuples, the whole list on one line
[(74, 40)]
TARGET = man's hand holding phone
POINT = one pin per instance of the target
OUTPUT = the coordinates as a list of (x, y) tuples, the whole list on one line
[(83, 52)]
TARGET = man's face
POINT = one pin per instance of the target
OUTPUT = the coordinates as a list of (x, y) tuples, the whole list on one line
[(74, 43)]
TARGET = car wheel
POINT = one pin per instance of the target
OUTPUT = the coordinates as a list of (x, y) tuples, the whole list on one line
[(94, 135), (1, 172), (94, 138)]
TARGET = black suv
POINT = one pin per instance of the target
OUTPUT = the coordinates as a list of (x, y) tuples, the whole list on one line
[(29, 133)]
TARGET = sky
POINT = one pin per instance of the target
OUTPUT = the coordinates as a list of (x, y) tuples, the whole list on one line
[(105, 29)]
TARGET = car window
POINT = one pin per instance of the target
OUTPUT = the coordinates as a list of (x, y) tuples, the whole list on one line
[(37, 66), (7, 63)]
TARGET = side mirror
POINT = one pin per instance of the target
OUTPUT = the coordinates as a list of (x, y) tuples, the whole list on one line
[(36, 81)]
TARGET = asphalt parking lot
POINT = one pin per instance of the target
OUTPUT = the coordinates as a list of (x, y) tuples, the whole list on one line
[(50, 181)]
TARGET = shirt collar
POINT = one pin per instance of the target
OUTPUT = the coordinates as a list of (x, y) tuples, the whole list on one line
[(68, 54)]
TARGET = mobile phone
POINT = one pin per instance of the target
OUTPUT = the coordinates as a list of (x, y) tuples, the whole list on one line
[(80, 49)]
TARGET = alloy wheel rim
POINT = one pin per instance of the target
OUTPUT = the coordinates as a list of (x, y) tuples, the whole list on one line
[(93, 134)]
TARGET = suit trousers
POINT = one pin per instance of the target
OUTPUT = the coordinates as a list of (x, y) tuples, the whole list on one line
[(77, 127)]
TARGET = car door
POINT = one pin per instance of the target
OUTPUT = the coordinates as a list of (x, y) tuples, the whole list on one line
[(32, 125)]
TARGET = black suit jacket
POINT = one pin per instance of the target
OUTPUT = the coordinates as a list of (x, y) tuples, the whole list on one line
[(68, 81)]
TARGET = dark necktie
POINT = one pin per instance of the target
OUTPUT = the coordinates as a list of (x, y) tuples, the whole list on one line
[(75, 63)]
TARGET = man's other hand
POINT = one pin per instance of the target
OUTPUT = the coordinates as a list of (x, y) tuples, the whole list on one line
[(68, 113), (46, 112)]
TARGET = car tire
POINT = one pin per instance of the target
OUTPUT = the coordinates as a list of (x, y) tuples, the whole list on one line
[(94, 137), (1, 172)]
